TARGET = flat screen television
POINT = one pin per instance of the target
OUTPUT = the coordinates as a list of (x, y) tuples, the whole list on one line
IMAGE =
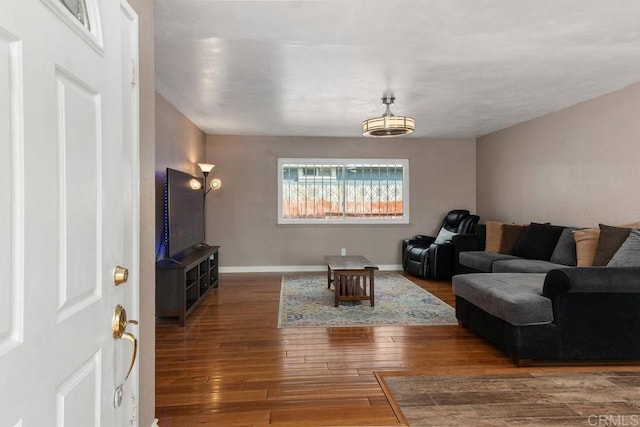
[(184, 213)]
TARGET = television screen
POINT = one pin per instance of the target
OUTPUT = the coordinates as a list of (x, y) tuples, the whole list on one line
[(184, 212)]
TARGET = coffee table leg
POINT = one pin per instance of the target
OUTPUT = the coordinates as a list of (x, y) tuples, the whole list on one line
[(336, 286), (328, 277), (371, 289)]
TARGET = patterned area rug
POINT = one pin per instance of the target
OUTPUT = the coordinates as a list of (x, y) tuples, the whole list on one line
[(305, 301), (523, 399)]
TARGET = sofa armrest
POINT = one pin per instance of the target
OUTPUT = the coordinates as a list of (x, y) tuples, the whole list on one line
[(466, 242), (596, 308), (609, 280)]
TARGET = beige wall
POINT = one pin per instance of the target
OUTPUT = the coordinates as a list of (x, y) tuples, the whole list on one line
[(242, 215), (144, 9), (179, 142), (179, 145), (578, 166)]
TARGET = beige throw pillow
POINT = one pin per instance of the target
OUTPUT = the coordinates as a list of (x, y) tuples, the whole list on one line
[(494, 236), (586, 245)]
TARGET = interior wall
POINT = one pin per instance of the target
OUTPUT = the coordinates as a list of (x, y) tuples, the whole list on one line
[(577, 166), (180, 145), (147, 274), (242, 215)]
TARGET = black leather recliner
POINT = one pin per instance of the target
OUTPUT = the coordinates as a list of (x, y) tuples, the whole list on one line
[(423, 257)]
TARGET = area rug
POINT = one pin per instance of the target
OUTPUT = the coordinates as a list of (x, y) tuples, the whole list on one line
[(305, 301), (526, 399)]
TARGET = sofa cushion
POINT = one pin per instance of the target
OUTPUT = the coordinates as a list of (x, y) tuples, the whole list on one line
[(521, 265), (481, 260), (586, 245), (629, 253), (610, 240), (515, 298), (565, 250), (538, 241)]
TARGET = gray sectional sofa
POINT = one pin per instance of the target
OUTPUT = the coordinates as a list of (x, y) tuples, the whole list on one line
[(539, 248), (549, 308)]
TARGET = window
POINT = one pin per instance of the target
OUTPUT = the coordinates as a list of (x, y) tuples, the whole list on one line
[(83, 17), (78, 8), (335, 191)]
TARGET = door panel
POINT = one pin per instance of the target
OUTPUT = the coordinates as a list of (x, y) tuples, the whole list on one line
[(72, 215), (11, 189), (78, 396), (79, 186)]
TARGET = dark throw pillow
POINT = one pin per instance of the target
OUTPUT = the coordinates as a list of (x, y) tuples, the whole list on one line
[(565, 250), (611, 238), (538, 241), (510, 235)]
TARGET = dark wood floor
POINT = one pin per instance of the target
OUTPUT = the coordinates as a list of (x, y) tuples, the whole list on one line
[(231, 365)]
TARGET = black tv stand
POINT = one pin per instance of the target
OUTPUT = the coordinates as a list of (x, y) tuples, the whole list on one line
[(184, 280)]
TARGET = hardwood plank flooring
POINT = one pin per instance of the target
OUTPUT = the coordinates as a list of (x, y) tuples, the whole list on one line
[(231, 365)]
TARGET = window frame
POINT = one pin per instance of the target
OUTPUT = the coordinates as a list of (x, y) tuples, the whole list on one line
[(343, 220)]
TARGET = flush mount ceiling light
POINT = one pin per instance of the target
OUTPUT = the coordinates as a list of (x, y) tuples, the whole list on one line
[(388, 125)]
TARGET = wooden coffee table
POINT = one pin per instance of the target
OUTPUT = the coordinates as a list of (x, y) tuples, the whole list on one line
[(352, 278)]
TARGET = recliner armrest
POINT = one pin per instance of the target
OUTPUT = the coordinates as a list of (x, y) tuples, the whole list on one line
[(408, 244), (422, 240), (441, 261), (609, 280)]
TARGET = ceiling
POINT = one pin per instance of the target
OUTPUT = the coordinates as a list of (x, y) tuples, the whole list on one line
[(461, 68)]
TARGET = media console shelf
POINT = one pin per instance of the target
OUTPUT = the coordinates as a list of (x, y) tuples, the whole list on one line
[(182, 281)]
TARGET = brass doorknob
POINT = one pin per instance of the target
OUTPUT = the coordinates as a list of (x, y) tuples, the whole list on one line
[(119, 322), (120, 275), (118, 326)]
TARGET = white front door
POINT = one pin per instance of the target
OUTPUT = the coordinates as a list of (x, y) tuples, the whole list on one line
[(69, 211)]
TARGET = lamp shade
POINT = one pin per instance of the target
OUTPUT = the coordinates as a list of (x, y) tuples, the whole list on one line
[(215, 184), (195, 184), (206, 167)]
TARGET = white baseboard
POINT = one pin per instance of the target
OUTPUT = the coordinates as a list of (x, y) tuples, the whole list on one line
[(293, 268)]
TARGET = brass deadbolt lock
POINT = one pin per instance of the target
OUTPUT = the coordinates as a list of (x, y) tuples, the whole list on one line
[(120, 275)]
